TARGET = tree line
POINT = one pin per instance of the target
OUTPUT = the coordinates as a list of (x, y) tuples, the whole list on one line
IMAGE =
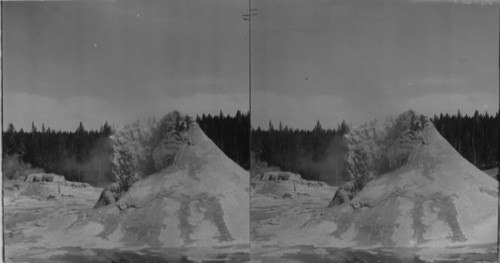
[(318, 154), (315, 154), (83, 155), (230, 133), (474, 137), (77, 155)]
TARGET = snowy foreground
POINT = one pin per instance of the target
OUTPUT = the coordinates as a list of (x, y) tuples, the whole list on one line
[(273, 216), (31, 206)]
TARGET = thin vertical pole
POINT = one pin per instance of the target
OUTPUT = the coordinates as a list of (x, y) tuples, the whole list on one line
[(248, 17), (250, 81), (498, 124), (250, 56), (251, 12)]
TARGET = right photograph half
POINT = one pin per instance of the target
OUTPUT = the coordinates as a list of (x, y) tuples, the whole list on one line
[(375, 131)]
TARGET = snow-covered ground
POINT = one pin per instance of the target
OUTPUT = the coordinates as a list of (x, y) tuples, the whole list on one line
[(29, 205)]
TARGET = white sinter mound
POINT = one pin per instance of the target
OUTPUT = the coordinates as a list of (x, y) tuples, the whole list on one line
[(430, 196)]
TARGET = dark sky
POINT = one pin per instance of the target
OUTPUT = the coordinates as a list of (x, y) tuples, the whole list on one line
[(92, 61), (360, 59)]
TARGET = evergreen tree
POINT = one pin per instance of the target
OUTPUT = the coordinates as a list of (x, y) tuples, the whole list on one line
[(33, 128), (271, 127)]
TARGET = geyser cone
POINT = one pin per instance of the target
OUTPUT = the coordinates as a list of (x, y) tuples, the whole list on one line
[(200, 199), (435, 197)]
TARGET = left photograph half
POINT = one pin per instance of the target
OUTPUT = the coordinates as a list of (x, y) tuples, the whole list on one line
[(125, 131)]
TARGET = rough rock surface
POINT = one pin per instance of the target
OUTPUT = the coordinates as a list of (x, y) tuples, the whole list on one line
[(285, 185), (109, 195), (279, 176), (374, 149), (43, 177)]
